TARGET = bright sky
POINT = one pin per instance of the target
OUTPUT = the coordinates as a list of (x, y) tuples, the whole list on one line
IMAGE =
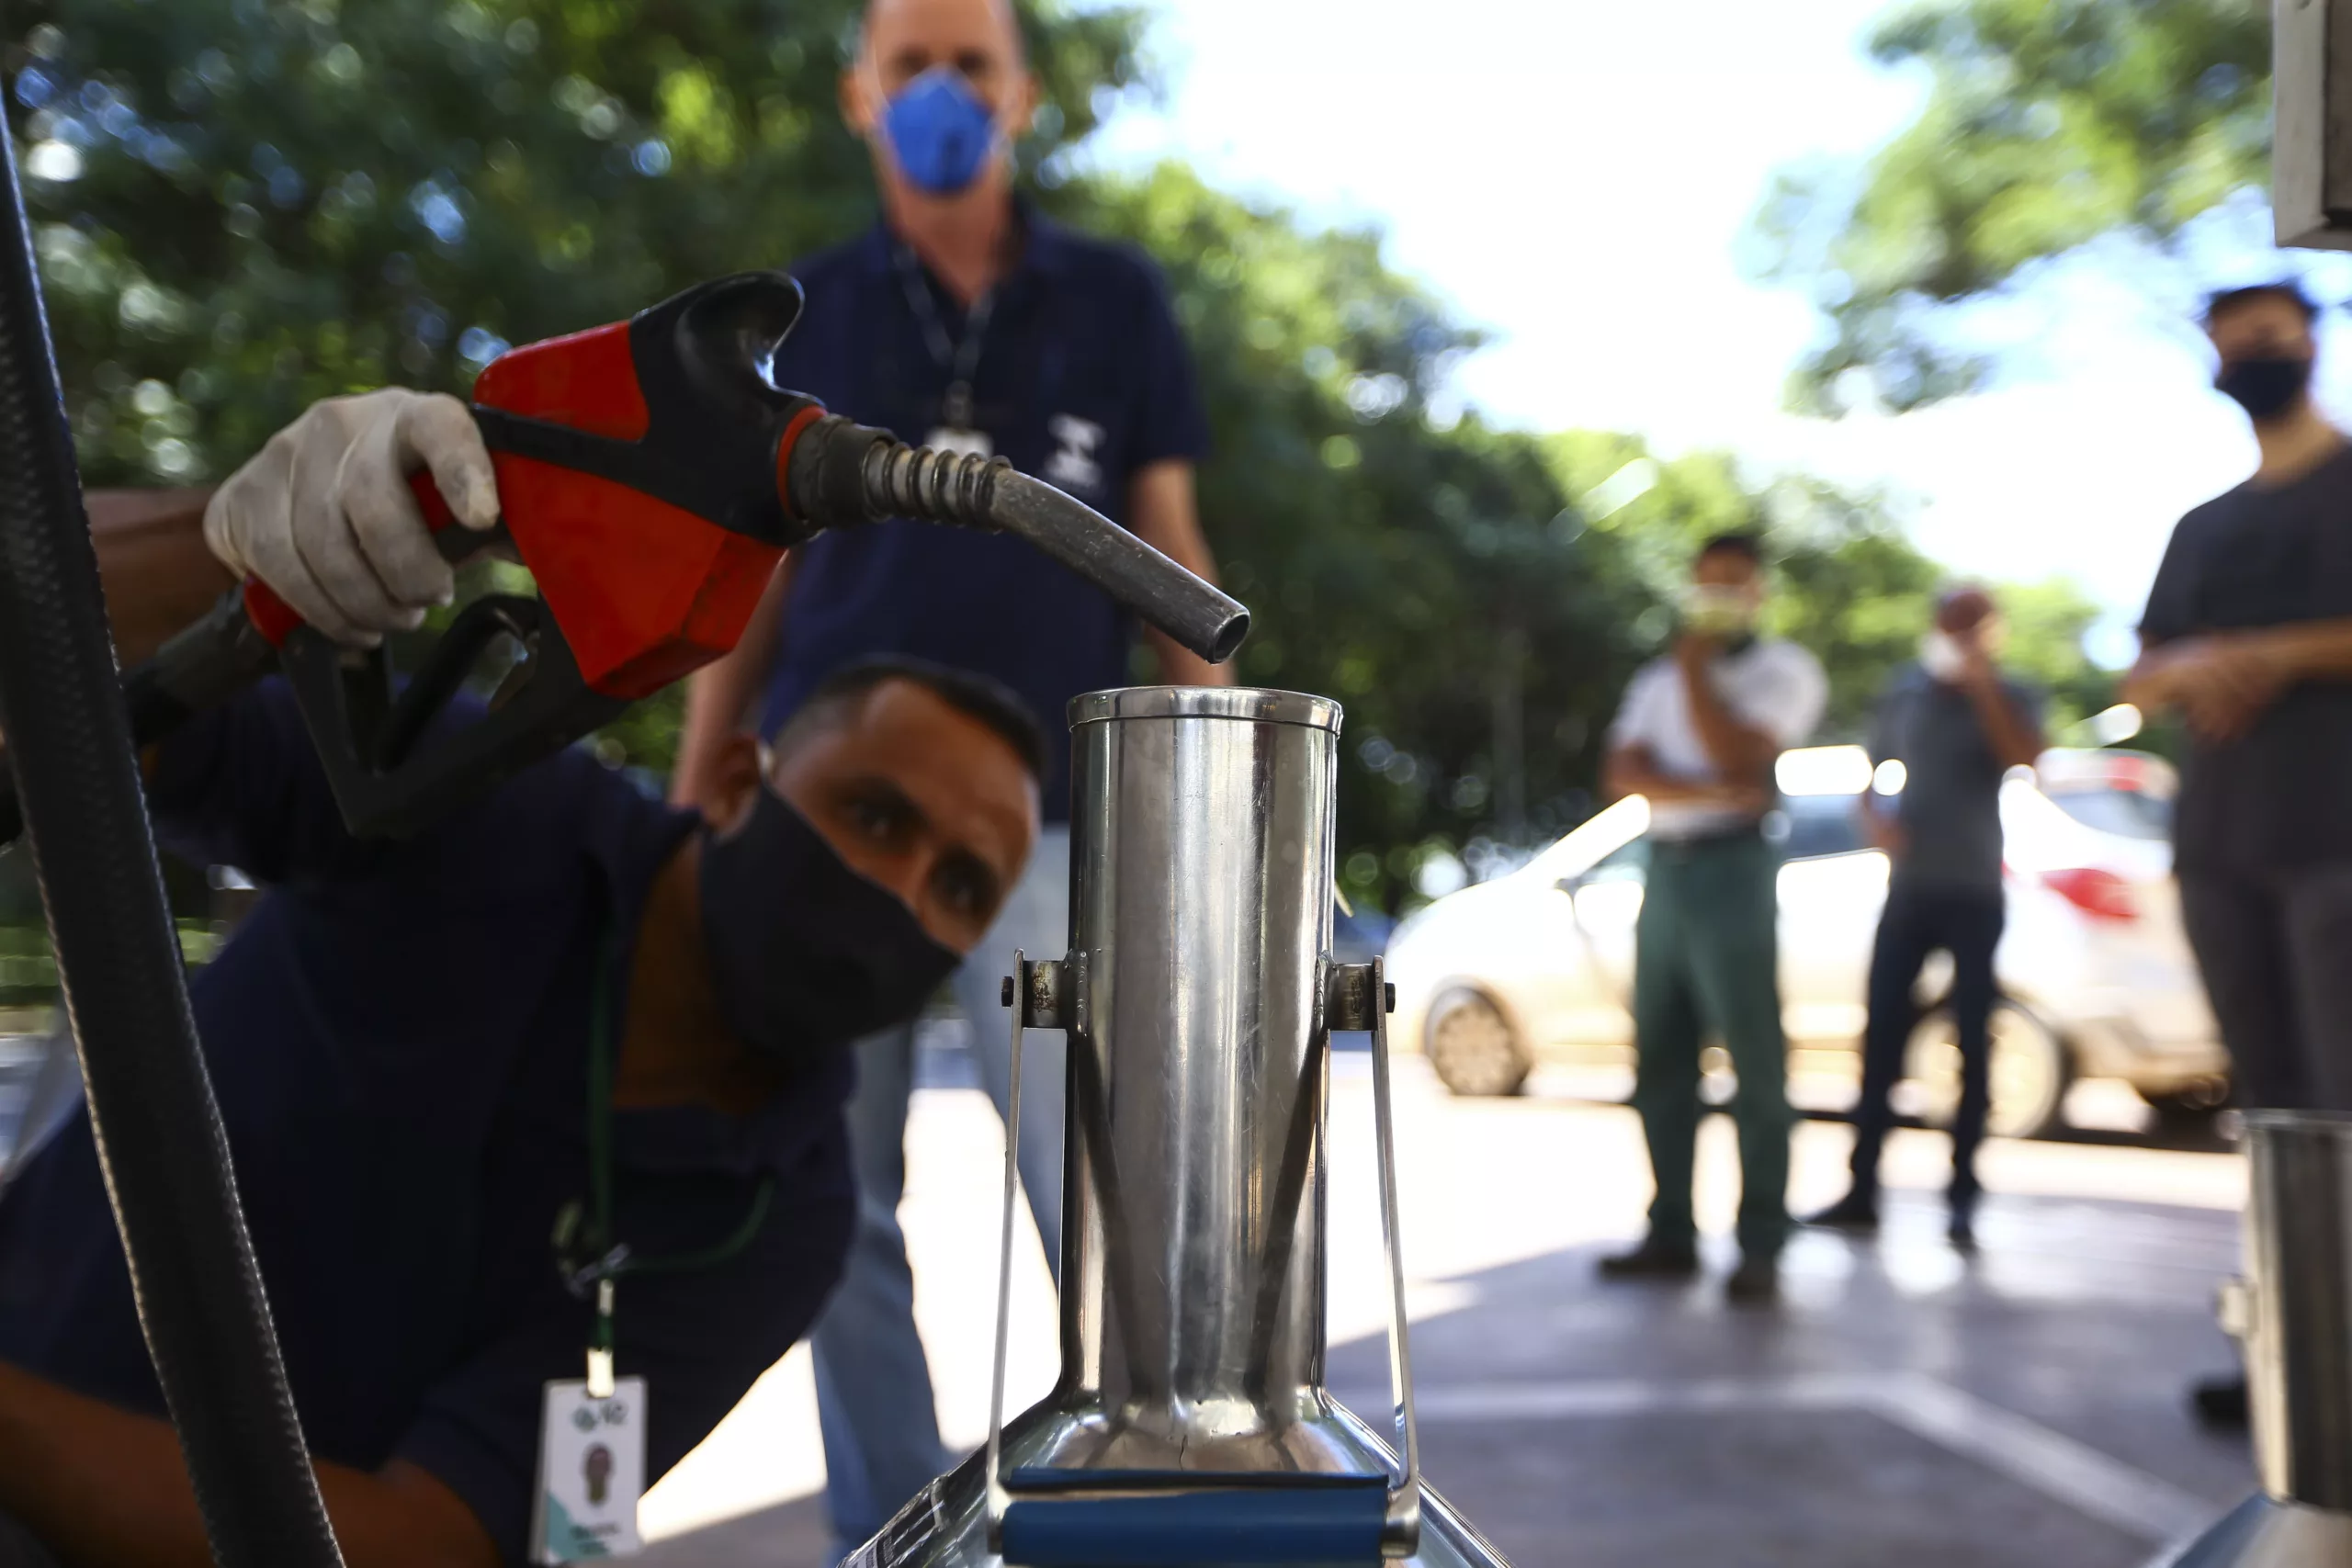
[(1573, 175)]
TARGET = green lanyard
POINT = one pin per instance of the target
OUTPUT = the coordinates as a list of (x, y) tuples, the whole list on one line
[(589, 1236)]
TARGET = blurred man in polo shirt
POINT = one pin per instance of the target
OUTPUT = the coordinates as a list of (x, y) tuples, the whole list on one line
[(1698, 734), (966, 319)]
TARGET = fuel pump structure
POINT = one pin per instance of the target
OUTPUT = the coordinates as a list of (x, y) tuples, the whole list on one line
[(1189, 1425), (2292, 1311)]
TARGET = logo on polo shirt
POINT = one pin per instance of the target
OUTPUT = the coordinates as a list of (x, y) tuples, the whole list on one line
[(1072, 466)]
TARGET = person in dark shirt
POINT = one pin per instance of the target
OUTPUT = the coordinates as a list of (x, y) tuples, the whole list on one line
[(1957, 726), (409, 1041), (2248, 637), (963, 319)]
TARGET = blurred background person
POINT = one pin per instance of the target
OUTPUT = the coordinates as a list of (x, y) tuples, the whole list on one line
[(1697, 736), (964, 319), (2248, 637), (1957, 724)]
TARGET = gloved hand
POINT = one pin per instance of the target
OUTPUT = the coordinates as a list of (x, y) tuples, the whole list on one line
[(323, 514)]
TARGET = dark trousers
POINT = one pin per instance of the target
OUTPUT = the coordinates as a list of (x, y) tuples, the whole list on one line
[(1706, 963), (2276, 955), (1965, 922)]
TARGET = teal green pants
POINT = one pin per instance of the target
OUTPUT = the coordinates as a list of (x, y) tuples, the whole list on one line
[(1706, 967)]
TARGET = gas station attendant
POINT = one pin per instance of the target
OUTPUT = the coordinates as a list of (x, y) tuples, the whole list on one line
[(570, 1010)]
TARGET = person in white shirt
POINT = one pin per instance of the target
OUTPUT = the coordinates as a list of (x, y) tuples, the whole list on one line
[(1698, 734)]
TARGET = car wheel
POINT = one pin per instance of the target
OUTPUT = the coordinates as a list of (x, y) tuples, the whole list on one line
[(2031, 1070), (1472, 1048)]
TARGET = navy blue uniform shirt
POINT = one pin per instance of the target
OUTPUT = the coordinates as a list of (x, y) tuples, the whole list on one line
[(398, 1038), (1081, 380)]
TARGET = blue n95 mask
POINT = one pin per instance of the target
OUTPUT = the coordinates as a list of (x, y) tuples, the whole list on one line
[(940, 133)]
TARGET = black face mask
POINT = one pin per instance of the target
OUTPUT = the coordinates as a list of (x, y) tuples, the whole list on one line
[(805, 954), (2265, 385)]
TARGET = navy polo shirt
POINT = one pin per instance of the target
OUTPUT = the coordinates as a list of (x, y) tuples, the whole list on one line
[(1082, 380), (397, 1036)]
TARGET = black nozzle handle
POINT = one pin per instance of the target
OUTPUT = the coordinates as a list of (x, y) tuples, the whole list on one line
[(840, 472), (206, 664)]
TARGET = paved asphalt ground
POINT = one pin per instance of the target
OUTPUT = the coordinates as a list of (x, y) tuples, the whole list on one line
[(1902, 1405)]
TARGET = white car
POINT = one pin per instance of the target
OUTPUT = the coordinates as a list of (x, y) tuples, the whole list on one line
[(2096, 975)]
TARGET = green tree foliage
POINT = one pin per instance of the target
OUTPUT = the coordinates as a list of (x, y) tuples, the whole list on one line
[(1845, 582), (2048, 124), (2047, 623), (1434, 580), (278, 200), (275, 201)]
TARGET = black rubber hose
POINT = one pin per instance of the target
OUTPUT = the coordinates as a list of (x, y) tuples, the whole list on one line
[(161, 1144)]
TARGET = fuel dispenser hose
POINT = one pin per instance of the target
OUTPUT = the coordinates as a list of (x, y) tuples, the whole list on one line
[(160, 1140)]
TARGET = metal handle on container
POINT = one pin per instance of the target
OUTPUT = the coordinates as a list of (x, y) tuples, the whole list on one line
[(1138, 1519), (1358, 996), (1027, 985)]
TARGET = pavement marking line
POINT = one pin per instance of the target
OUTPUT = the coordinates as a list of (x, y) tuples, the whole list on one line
[(1635, 1396), (2169, 1552), (2076, 1473), (2059, 1467)]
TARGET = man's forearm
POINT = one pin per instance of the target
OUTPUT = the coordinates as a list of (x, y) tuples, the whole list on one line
[(2250, 668), (1742, 755), (1879, 823), (2016, 739), (159, 577), (1630, 773), (719, 695), (2310, 650), (105, 1488), (2148, 686)]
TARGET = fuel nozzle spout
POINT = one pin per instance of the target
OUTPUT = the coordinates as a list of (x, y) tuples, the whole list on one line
[(839, 473)]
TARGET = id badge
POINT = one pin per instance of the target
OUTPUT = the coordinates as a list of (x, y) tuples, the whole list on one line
[(948, 438), (592, 1471)]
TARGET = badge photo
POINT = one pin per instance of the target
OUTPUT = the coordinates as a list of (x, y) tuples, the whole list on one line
[(592, 1471)]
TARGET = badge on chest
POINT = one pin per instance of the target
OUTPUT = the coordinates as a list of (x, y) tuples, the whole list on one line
[(592, 1471), (961, 442)]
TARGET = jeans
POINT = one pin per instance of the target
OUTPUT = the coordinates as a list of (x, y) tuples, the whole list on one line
[(1965, 922), (1706, 959), (874, 1400), (2276, 954)]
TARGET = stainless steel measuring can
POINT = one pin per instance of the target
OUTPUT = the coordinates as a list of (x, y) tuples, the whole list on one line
[(1191, 1425)]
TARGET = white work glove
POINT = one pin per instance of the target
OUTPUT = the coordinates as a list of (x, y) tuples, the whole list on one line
[(323, 514)]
